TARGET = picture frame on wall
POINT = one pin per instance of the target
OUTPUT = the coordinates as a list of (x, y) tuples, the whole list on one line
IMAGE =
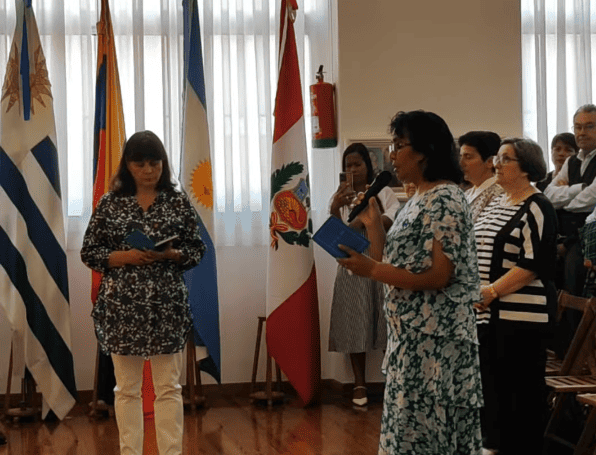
[(378, 150)]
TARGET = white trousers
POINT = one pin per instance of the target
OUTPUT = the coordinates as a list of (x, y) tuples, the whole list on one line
[(169, 407)]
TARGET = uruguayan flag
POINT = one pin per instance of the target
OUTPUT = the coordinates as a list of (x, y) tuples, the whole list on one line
[(33, 275), (197, 181)]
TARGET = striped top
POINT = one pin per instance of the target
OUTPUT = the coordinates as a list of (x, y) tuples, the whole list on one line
[(522, 236)]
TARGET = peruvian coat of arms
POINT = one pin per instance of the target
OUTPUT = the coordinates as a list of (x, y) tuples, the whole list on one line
[(290, 207)]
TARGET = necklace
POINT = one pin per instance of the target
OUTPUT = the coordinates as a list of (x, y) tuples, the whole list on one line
[(511, 200)]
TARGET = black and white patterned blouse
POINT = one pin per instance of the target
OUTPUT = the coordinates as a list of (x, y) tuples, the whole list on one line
[(142, 310), (522, 235), (478, 200)]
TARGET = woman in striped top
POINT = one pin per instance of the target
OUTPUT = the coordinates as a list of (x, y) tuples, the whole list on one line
[(476, 153), (516, 244)]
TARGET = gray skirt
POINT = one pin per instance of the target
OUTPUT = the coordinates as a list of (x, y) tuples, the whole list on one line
[(358, 321)]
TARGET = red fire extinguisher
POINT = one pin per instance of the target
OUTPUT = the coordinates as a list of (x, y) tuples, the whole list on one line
[(323, 113)]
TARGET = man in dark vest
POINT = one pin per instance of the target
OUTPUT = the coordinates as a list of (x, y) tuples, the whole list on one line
[(573, 193)]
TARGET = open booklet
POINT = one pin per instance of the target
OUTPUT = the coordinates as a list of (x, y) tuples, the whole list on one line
[(334, 232), (140, 241)]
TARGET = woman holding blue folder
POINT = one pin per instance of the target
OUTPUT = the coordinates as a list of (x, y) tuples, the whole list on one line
[(433, 391)]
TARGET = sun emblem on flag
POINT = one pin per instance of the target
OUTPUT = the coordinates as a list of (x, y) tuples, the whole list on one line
[(11, 83), (202, 184), (39, 81)]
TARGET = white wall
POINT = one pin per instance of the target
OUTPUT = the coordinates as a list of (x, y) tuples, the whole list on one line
[(460, 59)]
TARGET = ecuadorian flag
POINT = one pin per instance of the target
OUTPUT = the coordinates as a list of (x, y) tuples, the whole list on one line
[(33, 275), (196, 179)]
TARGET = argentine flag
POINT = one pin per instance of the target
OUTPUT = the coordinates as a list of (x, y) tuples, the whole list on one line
[(197, 181)]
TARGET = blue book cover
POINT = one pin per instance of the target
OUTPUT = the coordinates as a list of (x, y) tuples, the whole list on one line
[(334, 232), (140, 241)]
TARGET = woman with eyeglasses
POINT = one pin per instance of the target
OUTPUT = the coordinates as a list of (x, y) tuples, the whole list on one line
[(516, 243), (427, 261)]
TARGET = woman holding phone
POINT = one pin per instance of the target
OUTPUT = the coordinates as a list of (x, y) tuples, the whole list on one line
[(357, 322)]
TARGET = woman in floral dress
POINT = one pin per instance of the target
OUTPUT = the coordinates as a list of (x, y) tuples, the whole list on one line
[(142, 310), (433, 391)]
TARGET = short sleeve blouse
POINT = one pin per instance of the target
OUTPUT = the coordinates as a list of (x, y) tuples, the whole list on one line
[(442, 213)]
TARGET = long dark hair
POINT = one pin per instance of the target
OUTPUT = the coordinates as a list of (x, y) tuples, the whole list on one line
[(429, 135), (141, 146), (360, 149)]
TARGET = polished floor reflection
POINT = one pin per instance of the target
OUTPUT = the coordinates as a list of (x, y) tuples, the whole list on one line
[(228, 425)]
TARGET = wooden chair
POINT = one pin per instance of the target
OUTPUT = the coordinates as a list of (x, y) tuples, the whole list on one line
[(566, 301), (577, 373), (586, 443)]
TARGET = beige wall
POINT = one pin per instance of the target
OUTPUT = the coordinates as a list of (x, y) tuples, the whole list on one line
[(459, 59)]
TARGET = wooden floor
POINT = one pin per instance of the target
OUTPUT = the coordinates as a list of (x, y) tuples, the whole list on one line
[(229, 425)]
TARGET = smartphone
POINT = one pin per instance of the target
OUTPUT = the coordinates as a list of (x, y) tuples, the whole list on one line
[(347, 177)]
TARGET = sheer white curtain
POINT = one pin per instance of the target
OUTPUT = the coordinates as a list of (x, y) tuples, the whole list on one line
[(558, 63), (241, 45), (240, 56)]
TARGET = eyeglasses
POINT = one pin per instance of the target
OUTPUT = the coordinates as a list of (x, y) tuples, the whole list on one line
[(503, 159), (397, 146), (587, 127)]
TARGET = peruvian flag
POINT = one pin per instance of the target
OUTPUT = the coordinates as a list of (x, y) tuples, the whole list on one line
[(293, 334)]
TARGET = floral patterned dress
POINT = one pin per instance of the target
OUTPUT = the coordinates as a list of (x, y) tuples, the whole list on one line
[(142, 310), (433, 391)]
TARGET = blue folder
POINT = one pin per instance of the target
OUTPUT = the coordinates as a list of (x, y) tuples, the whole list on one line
[(334, 232)]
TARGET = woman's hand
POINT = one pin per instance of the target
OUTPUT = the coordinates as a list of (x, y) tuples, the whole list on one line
[(344, 196), (143, 257), (169, 254), (357, 263), (371, 215), (131, 257), (487, 298)]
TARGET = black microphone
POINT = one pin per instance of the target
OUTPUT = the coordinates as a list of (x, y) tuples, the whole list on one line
[(380, 182)]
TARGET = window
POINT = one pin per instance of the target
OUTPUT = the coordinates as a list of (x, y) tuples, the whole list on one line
[(240, 48), (558, 65)]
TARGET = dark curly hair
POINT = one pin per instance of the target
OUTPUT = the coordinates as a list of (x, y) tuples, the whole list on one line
[(429, 135), (141, 146)]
